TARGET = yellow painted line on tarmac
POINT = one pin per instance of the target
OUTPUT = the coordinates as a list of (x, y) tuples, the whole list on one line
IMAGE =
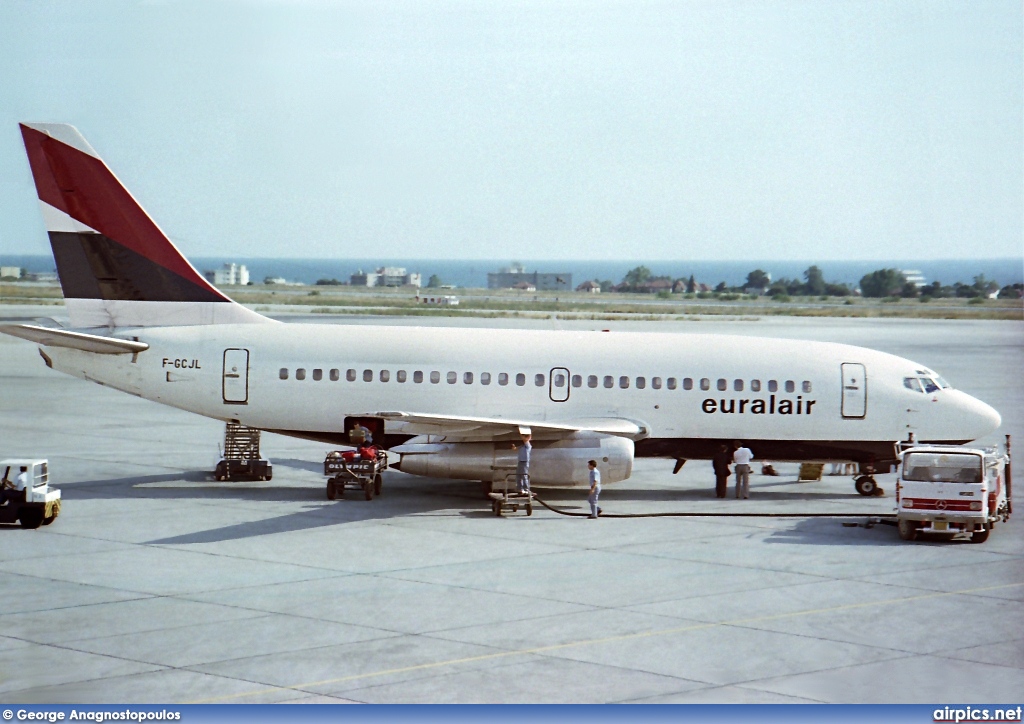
[(604, 640)]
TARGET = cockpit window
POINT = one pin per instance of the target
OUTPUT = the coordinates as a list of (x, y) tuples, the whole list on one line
[(929, 384), (942, 467), (911, 383), (942, 383)]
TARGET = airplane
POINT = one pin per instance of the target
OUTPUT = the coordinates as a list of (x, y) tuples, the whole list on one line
[(452, 402)]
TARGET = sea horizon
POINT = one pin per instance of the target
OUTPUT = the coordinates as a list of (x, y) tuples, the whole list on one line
[(472, 273)]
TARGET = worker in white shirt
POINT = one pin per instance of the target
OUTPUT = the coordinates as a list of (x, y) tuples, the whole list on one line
[(741, 459), (10, 490)]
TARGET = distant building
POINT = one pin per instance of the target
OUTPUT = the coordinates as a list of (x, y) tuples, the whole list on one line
[(386, 276), (443, 300), (10, 272), (915, 277), (509, 277), (228, 275), (523, 287), (589, 286), (47, 277)]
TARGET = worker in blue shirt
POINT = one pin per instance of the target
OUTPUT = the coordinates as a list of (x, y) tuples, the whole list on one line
[(523, 465), (595, 488)]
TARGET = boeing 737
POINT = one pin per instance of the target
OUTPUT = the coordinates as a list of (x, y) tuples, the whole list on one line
[(450, 402)]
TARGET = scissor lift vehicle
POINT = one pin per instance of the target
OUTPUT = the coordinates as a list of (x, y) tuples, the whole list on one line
[(361, 472), (38, 504)]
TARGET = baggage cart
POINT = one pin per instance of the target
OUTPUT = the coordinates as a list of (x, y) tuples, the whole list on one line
[(362, 473)]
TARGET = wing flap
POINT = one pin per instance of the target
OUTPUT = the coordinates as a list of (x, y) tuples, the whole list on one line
[(73, 340)]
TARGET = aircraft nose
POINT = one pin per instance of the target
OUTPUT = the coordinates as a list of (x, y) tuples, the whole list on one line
[(980, 418)]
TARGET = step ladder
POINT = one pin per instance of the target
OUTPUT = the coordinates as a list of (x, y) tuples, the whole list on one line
[(241, 442)]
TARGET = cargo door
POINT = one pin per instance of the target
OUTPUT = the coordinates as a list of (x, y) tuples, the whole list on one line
[(855, 391), (236, 377), (558, 384)]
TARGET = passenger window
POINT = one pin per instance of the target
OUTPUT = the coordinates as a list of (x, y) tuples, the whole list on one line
[(755, 385), (453, 377), (722, 384), (737, 385), (672, 382), (350, 375), (790, 386), (687, 383), (283, 374), (609, 381), (559, 379), (773, 386), (400, 376), (538, 380), (335, 375), (656, 383), (807, 386), (592, 381), (300, 374), (485, 378), (911, 383), (385, 375), (417, 377), (318, 375), (577, 381), (520, 379), (502, 378), (641, 383), (367, 375), (435, 377), (467, 378), (705, 383), (624, 382)]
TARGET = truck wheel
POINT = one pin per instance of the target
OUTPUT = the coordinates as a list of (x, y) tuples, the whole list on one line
[(332, 490), (907, 529), (30, 517), (866, 485), (378, 483), (980, 536), (54, 512)]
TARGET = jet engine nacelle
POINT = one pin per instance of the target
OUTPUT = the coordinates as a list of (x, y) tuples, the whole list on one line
[(552, 462)]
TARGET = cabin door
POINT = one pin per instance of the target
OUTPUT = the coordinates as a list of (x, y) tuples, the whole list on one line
[(558, 384), (235, 384), (855, 391)]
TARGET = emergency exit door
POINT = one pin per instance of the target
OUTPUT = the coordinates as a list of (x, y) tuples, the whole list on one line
[(558, 384), (855, 390), (235, 384)]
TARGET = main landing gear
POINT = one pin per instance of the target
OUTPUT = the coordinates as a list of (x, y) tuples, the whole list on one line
[(867, 486)]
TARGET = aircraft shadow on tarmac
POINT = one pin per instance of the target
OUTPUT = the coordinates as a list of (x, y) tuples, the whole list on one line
[(405, 496)]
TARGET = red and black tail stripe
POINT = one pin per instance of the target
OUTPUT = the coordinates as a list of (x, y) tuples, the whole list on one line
[(122, 254)]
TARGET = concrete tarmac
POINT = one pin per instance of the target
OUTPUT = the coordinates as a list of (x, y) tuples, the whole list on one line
[(158, 584)]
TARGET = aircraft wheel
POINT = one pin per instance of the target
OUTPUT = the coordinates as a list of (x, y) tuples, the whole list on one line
[(980, 536), (332, 490), (30, 517), (866, 485), (378, 483), (907, 530)]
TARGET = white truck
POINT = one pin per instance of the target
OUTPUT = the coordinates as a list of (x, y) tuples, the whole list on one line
[(32, 502), (953, 489)]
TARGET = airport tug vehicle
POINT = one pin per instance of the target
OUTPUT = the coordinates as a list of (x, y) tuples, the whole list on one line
[(38, 504), (953, 489)]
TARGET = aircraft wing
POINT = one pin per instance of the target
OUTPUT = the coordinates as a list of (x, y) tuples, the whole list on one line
[(74, 340), (460, 426)]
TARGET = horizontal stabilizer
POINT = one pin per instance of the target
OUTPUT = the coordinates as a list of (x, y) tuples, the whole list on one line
[(73, 340)]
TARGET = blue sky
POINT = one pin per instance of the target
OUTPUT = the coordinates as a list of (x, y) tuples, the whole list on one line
[(523, 129)]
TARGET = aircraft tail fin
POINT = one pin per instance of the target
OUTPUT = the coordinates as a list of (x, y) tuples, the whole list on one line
[(116, 267)]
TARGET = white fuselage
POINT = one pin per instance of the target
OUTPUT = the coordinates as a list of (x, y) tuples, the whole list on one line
[(774, 390)]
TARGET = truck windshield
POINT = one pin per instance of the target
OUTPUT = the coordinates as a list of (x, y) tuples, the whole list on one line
[(942, 467)]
